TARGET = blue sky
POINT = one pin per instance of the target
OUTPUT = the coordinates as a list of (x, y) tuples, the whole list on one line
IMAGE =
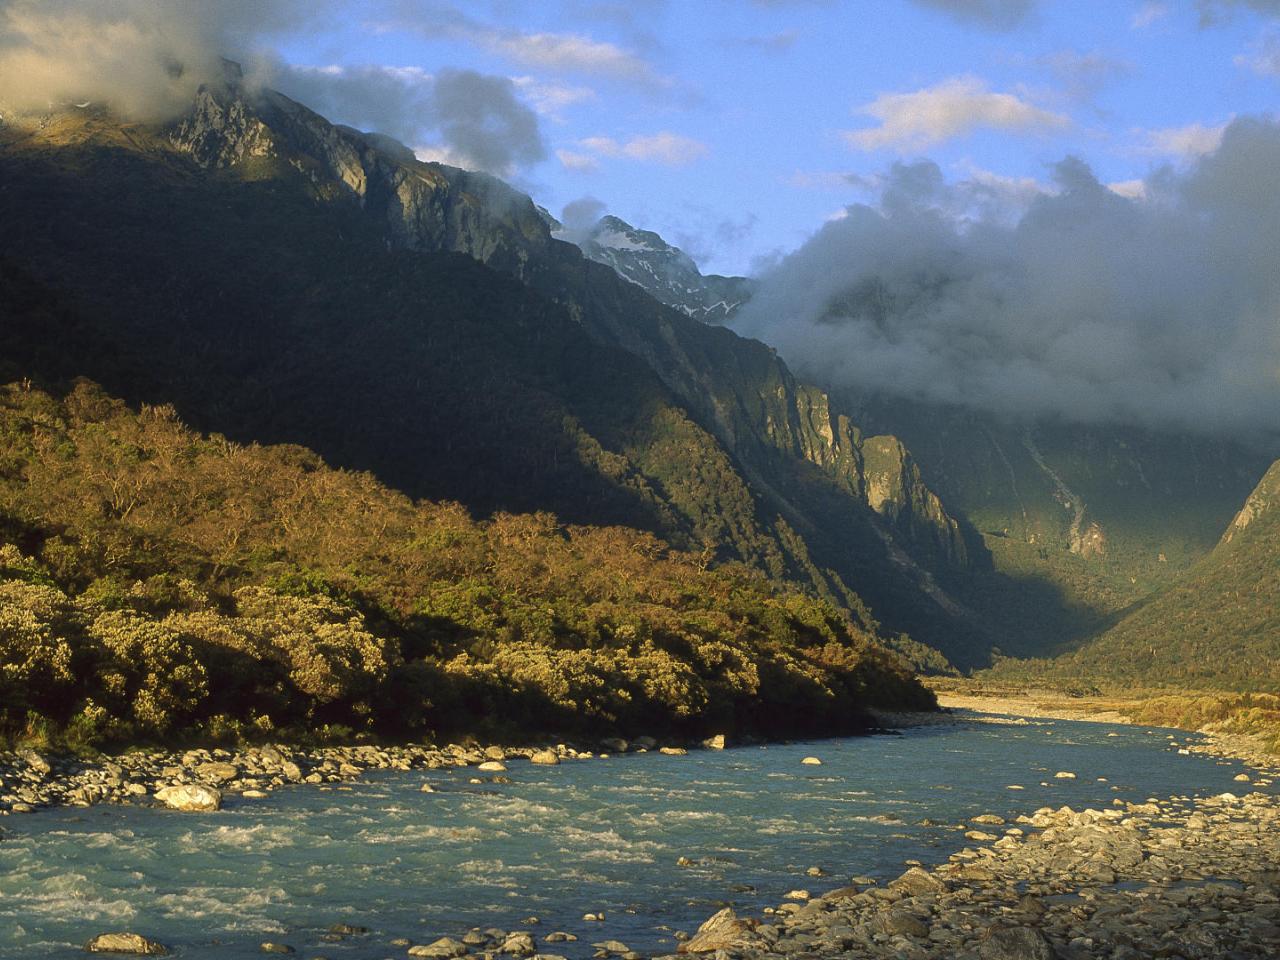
[(736, 127)]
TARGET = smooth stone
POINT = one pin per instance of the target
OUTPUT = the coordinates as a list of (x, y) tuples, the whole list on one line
[(492, 766), (547, 757), (1064, 775), (446, 948), (915, 882), (715, 743), (518, 945), (217, 774), (190, 797), (133, 944), (673, 751), (812, 761), (270, 947)]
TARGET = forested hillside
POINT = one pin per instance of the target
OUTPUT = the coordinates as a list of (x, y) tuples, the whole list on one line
[(155, 583)]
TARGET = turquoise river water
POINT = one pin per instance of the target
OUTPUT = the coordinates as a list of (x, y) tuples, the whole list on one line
[(556, 842)]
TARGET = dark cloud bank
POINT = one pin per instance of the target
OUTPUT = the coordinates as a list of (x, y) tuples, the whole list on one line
[(1162, 312)]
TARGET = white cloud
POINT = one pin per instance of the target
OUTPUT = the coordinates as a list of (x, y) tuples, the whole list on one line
[(569, 53), (665, 147), (551, 99), (1130, 189), (953, 108), (578, 162), (1193, 140), (1149, 13)]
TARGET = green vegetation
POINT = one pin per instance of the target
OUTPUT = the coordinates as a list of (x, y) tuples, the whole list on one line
[(157, 584), (1218, 628)]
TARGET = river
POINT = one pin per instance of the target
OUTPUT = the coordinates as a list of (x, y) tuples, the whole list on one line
[(557, 842)]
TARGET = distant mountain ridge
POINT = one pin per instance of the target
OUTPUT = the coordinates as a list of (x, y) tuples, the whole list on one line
[(666, 272), (1217, 627)]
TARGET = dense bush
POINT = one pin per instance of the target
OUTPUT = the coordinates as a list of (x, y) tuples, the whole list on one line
[(155, 583)]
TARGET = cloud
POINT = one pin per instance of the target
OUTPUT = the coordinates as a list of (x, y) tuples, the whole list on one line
[(568, 53), (779, 42), (1150, 12), (144, 59), (1263, 57), (1214, 12), (483, 123), (459, 117), (1132, 189), (1084, 74), (578, 162), (1193, 140), (999, 15), (667, 148), (554, 52), (1091, 306), (579, 218), (551, 99), (953, 108)]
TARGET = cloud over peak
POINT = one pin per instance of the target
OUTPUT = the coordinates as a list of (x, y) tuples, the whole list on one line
[(1095, 305), (953, 108)]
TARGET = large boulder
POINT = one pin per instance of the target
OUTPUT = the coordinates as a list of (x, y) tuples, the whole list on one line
[(724, 931), (549, 757), (132, 944), (190, 797), (446, 948)]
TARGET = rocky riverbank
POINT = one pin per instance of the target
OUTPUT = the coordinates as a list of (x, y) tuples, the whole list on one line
[(1191, 878), (199, 779)]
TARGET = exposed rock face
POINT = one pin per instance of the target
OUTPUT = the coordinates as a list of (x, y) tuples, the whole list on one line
[(190, 798), (131, 944)]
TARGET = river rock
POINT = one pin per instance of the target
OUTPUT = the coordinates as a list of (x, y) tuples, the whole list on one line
[(518, 945), (133, 944), (615, 745), (723, 931), (217, 773), (916, 882), (446, 948), (811, 762), (673, 751), (898, 923), (715, 743), (1015, 943), (282, 948), (492, 766), (190, 797), (548, 757)]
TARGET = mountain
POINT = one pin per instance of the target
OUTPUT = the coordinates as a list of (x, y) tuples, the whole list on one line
[(665, 272), (1083, 520), (281, 279), (1216, 627), (1080, 522)]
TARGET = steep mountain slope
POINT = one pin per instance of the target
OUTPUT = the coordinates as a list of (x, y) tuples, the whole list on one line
[(1087, 519), (324, 323), (1217, 627), (665, 272)]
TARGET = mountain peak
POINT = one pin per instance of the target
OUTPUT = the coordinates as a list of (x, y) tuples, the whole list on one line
[(664, 271)]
